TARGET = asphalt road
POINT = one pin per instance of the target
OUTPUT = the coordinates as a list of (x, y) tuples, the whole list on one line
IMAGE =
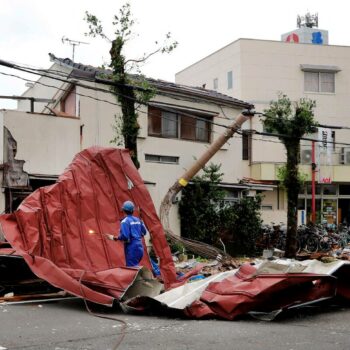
[(66, 325)]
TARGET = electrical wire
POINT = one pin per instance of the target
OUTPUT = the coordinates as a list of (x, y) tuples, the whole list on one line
[(124, 324), (39, 71), (167, 109), (147, 104), (36, 71)]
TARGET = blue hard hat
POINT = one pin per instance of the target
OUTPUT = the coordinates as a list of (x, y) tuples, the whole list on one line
[(128, 206)]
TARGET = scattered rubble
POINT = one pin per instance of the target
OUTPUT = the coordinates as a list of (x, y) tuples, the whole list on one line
[(56, 239)]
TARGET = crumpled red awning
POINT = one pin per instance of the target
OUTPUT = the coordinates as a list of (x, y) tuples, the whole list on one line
[(59, 229)]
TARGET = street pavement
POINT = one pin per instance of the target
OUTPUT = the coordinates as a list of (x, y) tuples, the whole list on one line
[(67, 325)]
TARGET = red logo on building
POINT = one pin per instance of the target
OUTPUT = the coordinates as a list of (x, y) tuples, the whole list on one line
[(292, 38)]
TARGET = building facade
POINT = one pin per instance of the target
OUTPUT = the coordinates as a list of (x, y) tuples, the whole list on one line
[(301, 65), (176, 127)]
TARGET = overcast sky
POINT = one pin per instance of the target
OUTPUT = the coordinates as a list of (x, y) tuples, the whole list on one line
[(30, 29)]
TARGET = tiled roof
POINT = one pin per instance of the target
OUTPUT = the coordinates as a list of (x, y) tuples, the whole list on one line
[(168, 88)]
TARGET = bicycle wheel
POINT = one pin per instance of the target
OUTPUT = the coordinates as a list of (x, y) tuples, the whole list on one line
[(324, 245), (312, 244)]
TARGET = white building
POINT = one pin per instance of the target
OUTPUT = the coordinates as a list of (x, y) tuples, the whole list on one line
[(81, 113), (302, 65)]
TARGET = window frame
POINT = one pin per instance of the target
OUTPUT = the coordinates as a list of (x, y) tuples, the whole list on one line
[(229, 80), (156, 112), (71, 97), (162, 159), (319, 82)]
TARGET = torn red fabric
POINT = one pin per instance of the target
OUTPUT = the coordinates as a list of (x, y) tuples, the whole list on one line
[(60, 229)]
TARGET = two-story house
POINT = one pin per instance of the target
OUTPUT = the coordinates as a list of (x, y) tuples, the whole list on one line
[(176, 127)]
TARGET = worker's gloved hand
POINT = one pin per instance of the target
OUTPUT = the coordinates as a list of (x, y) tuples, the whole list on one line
[(248, 112), (111, 237)]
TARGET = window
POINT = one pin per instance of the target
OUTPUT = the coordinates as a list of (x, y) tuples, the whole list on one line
[(152, 158), (319, 82), (317, 189), (68, 102), (245, 146), (176, 125), (229, 80), (215, 83), (344, 190), (169, 124), (329, 190), (231, 197)]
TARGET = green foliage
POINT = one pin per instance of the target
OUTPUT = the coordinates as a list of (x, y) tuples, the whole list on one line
[(176, 247), (282, 175), (204, 216), (291, 121), (200, 204), (241, 226), (128, 91)]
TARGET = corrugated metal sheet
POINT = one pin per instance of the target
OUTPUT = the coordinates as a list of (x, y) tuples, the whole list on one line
[(263, 290), (59, 229)]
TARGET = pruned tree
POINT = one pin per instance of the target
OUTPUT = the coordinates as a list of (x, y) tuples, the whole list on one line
[(291, 121), (128, 90)]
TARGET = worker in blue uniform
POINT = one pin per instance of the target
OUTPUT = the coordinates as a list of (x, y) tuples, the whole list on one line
[(132, 230)]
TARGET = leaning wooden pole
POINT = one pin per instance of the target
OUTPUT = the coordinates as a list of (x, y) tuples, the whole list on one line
[(190, 173)]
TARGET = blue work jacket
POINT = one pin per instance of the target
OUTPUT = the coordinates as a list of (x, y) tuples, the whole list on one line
[(132, 230)]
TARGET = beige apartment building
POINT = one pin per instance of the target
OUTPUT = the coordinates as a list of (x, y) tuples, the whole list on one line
[(40, 140), (301, 65)]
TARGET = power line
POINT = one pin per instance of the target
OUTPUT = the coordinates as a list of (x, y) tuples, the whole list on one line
[(100, 81), (167, 109), (335, 127), (14, 66)]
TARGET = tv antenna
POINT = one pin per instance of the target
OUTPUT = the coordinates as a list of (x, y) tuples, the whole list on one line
[(74, 43), (308, 20)]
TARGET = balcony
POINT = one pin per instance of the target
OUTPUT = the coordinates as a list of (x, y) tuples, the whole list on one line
[(268, 171)]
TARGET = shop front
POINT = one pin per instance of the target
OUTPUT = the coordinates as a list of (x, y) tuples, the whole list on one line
[(332, 203)]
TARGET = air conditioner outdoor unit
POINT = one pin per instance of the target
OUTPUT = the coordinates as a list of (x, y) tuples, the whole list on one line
[(306, 156), (345, 155)]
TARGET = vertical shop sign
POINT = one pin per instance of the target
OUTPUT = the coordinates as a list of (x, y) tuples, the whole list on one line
[(325, 153)]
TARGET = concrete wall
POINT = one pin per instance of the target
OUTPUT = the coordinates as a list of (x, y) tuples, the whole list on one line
[(47, 143), (266, 67), (44, 88), (96, 119)]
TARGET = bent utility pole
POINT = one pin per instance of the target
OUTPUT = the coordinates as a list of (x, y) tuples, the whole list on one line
[(190, 173)]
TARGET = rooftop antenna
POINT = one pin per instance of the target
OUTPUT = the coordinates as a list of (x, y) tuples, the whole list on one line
[(74, 43), (308, 20)]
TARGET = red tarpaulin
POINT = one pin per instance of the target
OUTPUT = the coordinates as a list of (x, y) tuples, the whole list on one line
[(59, 229)]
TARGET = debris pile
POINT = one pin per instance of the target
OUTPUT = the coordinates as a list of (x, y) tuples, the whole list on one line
[(60, 231), (263, 290)]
